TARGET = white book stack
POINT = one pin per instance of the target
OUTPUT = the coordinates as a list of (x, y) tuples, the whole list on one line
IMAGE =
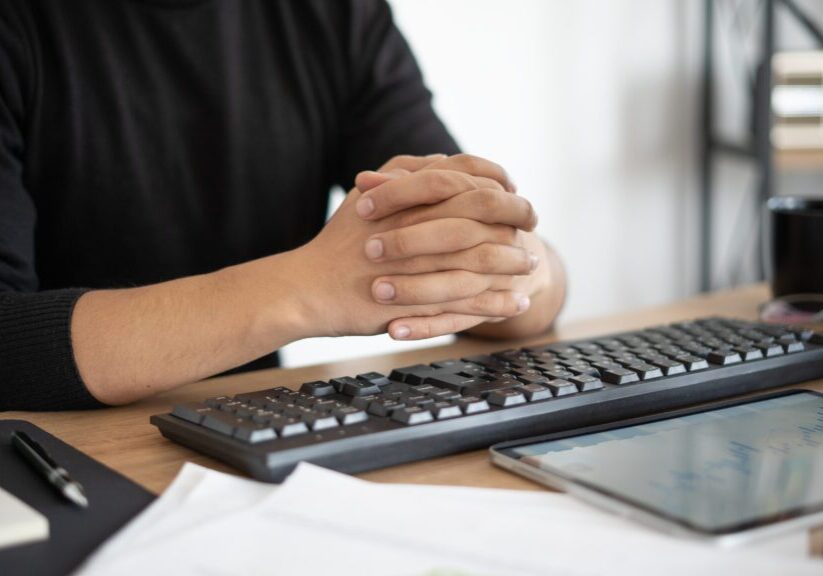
[(797, 100)]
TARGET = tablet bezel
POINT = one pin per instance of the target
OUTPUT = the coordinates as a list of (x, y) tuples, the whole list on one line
[(502, 455)]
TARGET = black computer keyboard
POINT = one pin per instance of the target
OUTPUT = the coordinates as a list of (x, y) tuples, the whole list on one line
[(370, 421)]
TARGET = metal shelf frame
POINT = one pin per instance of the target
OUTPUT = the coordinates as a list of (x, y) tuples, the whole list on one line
[(758, 149)]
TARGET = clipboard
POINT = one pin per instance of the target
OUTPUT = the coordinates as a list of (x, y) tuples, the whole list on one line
[(74, 532)]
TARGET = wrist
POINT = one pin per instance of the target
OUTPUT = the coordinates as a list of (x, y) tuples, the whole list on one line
[(272, 297)]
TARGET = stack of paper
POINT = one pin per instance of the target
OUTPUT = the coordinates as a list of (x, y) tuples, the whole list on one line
[(323, 522), (19, 522)]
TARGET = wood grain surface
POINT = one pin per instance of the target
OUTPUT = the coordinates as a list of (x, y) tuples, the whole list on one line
[(123, 439)]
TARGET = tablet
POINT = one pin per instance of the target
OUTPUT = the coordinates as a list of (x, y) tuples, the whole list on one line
[(728, 473)]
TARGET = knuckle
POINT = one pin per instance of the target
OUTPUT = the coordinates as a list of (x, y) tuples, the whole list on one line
[(488, 303), (438, 180), (397, 243), (487, 256), (407, 291), (506, 281), (508, 235), (397, 162), (487, 202), (469, 163), (426, 329), (464, 282), (455, 236)]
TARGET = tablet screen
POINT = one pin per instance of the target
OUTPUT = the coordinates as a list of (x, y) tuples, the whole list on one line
[(717, 471)]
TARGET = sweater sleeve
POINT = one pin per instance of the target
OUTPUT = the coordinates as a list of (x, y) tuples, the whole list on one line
[(389, 109), (37, 367)]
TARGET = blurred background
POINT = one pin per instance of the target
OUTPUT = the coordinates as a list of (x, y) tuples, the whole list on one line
[(596, 109)]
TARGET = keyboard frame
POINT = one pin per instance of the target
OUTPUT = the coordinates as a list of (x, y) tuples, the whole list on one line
[(379, 443)]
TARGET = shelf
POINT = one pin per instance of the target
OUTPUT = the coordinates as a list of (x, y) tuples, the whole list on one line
[(806, 159)]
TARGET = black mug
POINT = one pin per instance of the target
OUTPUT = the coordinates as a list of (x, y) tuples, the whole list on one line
[(796, 248)]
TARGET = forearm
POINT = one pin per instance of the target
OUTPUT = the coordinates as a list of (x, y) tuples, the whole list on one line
[(546, 301), (132, 343)]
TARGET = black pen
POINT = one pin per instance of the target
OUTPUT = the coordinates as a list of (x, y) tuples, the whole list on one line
[(55, 474)]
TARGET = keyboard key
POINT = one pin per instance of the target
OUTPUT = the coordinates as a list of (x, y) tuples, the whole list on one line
[(692, 363), (412, 374), (535, 392), (317, 422), (472, 404), (619, 376), (532, 379), (793, 347), (384, 408), (245, 411), (770, 349), (362, 402), (724, 357), (192, 411), (350, 415), (262, 416), (748, 353), (586, 382), (326, 406), (218, 401), (562, 387), (801, 332), (358, 388), (317, 388), (484, 388), (585, 371), (221, 422), (287, 426), (558, 374), (646, 371), (412, 416), (375, 378), (254, 433), (443, 410), (786, 339), (442, 394), (452, 381), (506, 398), (231, 406), (670, 367), (450, 363)]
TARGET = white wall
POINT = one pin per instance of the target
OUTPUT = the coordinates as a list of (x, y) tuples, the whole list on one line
[(590, 104)]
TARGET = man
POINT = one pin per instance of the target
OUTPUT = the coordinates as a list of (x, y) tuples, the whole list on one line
[(164, 173)]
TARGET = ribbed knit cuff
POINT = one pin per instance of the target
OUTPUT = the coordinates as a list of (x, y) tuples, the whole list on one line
[(37, 366)]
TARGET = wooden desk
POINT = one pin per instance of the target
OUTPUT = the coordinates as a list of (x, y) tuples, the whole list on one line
[(123, 439)]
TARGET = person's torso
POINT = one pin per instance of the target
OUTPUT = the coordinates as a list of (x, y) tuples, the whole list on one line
[(172, 138)]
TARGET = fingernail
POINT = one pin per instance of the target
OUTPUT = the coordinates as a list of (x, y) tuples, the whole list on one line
[(523, 302), (434, 156), (401, 332), (533, 261), (364, 207), (384, 291), (374, 248)]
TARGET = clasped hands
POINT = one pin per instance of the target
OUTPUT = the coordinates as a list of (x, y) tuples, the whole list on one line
[(426, 246)]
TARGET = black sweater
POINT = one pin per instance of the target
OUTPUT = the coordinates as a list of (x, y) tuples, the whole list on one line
[(146, 140)]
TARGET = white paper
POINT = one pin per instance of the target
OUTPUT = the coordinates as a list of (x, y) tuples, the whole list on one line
[(19, 522), (323, 522)]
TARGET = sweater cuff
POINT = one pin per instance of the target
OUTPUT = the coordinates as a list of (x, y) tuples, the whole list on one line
[(37, 366)]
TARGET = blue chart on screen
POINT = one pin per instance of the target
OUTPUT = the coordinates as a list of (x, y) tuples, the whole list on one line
[(713, 469)]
